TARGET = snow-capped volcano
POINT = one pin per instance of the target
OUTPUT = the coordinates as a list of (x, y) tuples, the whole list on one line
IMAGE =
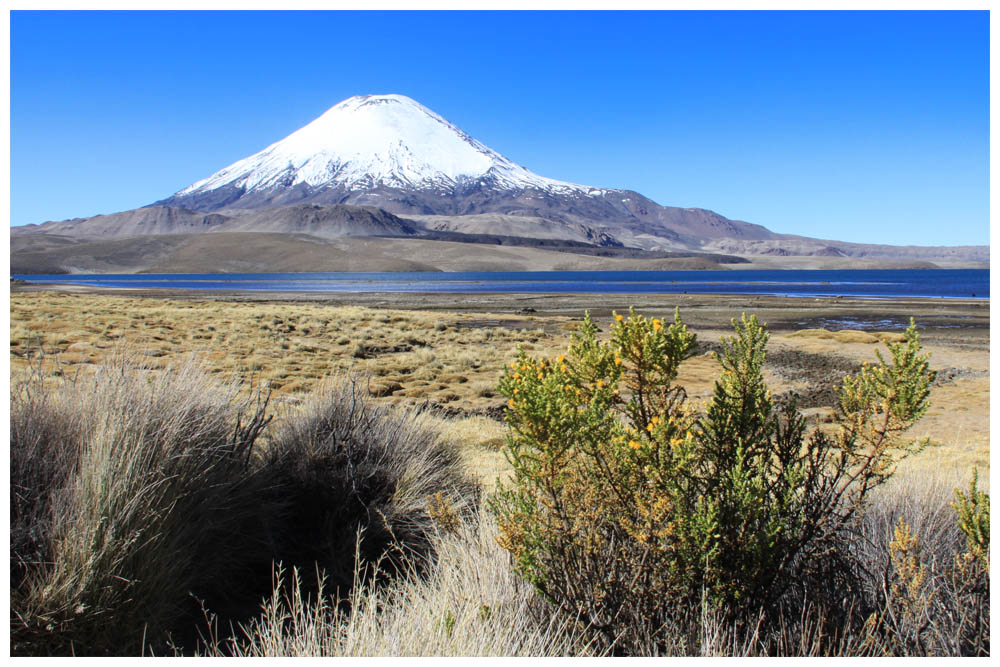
[(393, 153), (370, 141)]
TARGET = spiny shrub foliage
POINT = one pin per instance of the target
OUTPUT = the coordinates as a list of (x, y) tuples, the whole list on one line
[(628, 509), (138, 496), (974, 520)]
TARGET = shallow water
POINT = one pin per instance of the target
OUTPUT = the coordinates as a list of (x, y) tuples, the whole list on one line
[(944, 283)]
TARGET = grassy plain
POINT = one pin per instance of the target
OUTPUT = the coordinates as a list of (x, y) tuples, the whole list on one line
[(447, 351), (123, 483)]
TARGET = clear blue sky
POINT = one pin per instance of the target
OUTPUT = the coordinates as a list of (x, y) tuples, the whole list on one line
[(857, 126)]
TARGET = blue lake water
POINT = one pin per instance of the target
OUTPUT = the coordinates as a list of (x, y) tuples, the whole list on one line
[(944, 283)]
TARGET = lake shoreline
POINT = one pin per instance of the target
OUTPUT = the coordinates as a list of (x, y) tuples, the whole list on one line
[(964, 316)]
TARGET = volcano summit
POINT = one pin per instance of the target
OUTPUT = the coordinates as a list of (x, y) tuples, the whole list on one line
[(362, 144)]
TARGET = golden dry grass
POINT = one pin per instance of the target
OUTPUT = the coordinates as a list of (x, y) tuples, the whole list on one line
[(449, 360), (849, 335), (957, 423), (442, 359)]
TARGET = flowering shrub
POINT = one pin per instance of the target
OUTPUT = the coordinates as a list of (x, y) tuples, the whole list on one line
[(627, 508), (973, 511)]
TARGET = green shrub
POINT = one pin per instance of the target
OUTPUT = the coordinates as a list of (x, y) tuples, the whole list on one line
[(968, 606), (974, 520), (628, 510)]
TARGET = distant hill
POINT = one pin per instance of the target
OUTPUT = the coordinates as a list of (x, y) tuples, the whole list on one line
[(320, 221), (262, 252)]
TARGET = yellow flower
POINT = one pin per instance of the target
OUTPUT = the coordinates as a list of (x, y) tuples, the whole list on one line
[(667, 531), (649, 427), (513, 364), (517, 376), (600, 383), (656, 325), (618, 318), (656, 420), (634, 444), (618, 361), (540, 376), (510, 403), (569, 388), (516, 390), (563, 368), (561, 358)]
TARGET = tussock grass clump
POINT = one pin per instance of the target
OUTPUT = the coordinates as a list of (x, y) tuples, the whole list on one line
[(140, 497), (342, 464), (123, 488)]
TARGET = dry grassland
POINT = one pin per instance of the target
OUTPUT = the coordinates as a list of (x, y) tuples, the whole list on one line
[(451, 361)]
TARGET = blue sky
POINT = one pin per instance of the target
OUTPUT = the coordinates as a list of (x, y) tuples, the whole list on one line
[(858, 126)]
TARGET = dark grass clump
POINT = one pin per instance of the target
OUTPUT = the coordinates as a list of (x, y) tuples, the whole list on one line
[(355, 479), (44, 440), (141, 498)]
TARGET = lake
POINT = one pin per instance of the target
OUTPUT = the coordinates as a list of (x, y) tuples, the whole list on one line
[(943, 283)]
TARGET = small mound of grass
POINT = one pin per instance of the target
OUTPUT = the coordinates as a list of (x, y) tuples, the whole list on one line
[(842, 336)]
